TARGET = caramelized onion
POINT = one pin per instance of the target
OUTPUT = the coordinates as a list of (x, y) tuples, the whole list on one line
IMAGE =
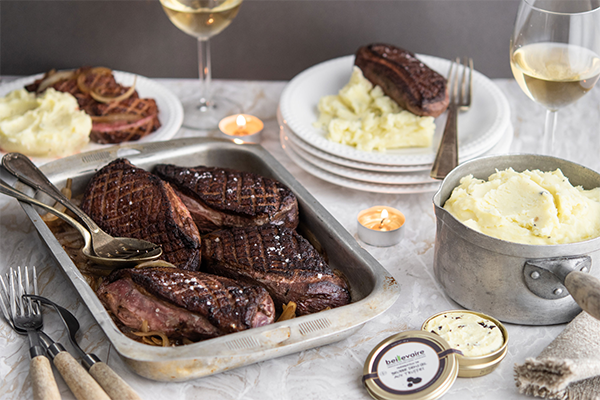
[(81, 78), (53, 78), (155, 263), (105, 99), (49, 217), (289, 311), (117, 118), (148, 339)]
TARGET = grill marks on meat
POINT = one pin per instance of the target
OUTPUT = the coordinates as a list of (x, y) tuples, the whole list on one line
[(280, 260), (127, 201), (186, 304), (220, 197), (404, 78), (105, 84)]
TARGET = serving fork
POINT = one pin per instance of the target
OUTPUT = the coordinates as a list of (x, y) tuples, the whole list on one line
[(25, 316), (459, 93)]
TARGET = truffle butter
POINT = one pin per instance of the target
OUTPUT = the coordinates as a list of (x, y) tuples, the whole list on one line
[(530, 207), (469, 333)]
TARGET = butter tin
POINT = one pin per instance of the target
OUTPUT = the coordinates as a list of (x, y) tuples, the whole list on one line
[(474, 366), (410, 365)]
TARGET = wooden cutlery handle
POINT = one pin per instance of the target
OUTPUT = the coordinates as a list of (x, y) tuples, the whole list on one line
[(585, 289), (42, 379), (112, 383), (83, 386)]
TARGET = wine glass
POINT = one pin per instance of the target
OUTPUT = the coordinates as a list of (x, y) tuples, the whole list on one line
[(204, 19), (554, 55)]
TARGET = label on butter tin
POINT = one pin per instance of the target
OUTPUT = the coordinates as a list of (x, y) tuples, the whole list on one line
[(410, 366)]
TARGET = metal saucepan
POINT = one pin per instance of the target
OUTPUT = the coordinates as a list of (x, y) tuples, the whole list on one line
[(514, 282)]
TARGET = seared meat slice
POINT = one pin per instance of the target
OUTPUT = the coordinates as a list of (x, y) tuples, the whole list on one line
[(184, 304), (410, 83), (127, 201), (221, 198), (280, 260), (143, 112)]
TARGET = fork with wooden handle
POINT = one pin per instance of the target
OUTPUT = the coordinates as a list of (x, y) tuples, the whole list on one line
[(112, 383), (42, 380), (26, 315)]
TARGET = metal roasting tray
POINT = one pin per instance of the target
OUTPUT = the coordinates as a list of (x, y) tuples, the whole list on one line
[(373, 289)]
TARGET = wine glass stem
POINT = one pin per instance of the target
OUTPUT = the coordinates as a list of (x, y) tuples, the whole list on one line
[(204, 69), (549, 129)]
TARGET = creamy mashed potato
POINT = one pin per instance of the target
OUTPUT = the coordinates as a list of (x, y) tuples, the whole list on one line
[(531, 207), (469, 333), (48, 125), (362, 115)]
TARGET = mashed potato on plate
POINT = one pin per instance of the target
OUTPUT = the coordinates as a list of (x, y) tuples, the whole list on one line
[(48, 125), (531, 207), (361, 115)]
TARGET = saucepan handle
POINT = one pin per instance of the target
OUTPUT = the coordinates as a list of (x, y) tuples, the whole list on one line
[(545, 278), (585, 290)]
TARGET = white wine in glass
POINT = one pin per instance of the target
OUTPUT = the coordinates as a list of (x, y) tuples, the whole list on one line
[(204, 19), (554, 55)]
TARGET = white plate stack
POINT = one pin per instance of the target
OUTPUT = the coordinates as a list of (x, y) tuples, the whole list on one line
[(483, 130)]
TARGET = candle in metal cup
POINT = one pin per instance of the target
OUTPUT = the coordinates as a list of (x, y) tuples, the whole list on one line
[(380, 226), (242, 128)]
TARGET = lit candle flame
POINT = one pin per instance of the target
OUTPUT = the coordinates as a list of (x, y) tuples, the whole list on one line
[(240, 121), (384, 215)]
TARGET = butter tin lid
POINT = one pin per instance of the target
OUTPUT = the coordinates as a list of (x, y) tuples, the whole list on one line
[(410, 365)]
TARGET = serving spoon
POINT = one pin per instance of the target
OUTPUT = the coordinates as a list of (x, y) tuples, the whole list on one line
[(102, 244), (111, 254)]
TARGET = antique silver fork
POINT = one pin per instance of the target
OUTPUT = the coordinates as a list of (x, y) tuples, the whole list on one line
[(446, 158), (25, 317)]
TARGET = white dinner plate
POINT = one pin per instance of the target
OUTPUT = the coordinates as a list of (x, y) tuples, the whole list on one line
[(388, 178), (352, 183), (170, 111), (344, 161), (479, 129), (372, 181)]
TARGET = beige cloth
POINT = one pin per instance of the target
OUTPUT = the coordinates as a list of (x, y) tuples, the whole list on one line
[(569, 368)]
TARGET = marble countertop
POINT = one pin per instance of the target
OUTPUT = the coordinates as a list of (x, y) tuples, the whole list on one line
[(333, 371)]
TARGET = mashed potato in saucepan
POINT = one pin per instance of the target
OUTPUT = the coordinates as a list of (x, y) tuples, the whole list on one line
[(48, 125), (531, 207), (362, 115)]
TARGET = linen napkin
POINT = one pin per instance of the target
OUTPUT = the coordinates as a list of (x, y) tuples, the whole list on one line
[(569, 368)]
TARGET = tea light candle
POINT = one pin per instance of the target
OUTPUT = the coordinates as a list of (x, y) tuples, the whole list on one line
[(242, 128), (380, 226)]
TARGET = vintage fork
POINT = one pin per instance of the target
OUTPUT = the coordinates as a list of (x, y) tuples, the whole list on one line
[(24, 316), (446, 158)]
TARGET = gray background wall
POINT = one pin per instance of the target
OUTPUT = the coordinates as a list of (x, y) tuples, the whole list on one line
[(269, 39)]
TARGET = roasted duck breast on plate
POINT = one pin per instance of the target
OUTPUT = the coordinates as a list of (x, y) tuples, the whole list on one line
[(221, 198), (280, 260), (403, 77), (127, 201), (185, 304), (126, 119)]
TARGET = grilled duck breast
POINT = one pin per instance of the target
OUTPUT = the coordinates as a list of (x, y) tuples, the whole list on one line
[(220, 197), (182, 303), (409, 82), (142, 113), (127, 201), (280, 260)]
